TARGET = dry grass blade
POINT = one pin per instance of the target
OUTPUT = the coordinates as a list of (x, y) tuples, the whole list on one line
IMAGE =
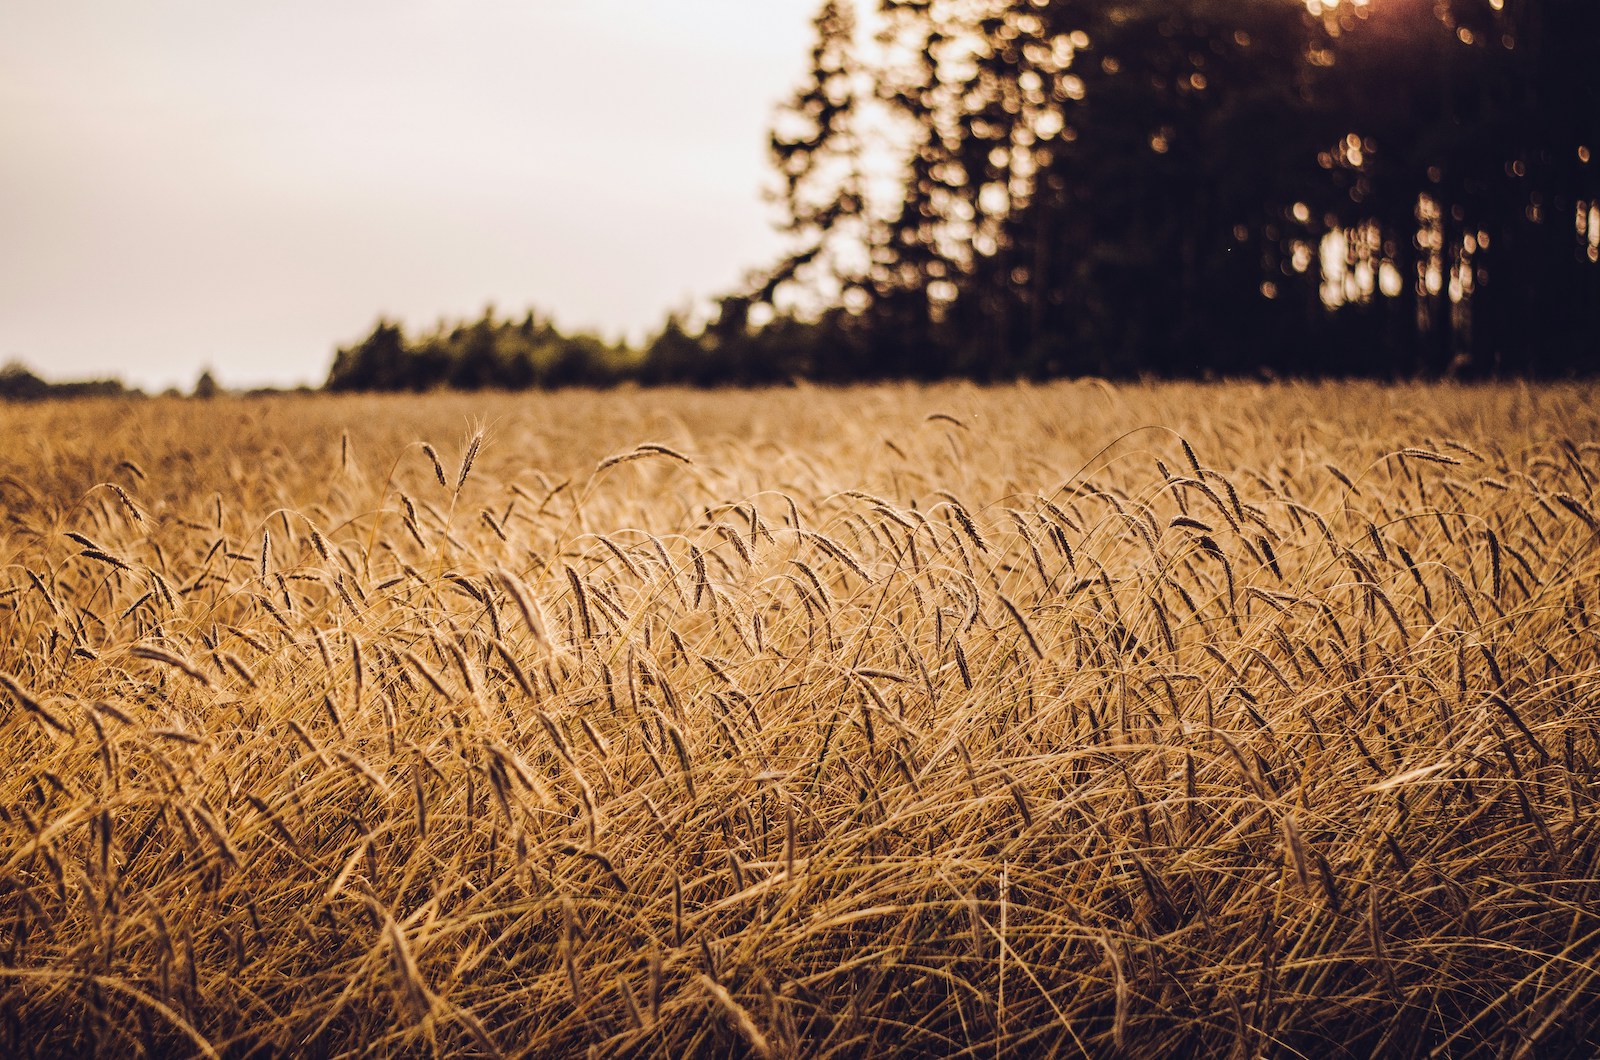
[(152, 653), (32, 705), (642, 451), (466, 460), (1429, 456), (416, 1000), (133, 510), (438, 468), (1297, 852), (738, 1015), (1022, 624), (1581, 510)]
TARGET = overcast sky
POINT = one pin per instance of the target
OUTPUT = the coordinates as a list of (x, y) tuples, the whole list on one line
[(191, 183)]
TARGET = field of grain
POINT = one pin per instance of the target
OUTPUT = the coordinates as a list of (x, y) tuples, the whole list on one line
[(1068, 720)]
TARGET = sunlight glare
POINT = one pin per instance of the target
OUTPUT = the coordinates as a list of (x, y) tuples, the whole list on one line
[(1328, 7)]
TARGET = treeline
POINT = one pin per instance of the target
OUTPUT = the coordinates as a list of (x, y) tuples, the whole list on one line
[(17, 383), (1169, 187), (489, 353), (496, 353)]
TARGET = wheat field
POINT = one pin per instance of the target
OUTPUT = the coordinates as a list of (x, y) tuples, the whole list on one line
[(1070, 720)]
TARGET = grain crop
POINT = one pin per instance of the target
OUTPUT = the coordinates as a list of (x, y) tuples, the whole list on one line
[(1074, 720)]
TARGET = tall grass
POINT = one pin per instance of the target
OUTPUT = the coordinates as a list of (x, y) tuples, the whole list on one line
[(935, 721)]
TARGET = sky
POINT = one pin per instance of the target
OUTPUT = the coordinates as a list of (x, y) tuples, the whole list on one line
[(192, 184)]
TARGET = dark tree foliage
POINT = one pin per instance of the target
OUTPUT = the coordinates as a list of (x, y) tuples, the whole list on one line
[(206, 386), (17, 383), (495, 354), (1183, 186), (816, 151), (486, 354)]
